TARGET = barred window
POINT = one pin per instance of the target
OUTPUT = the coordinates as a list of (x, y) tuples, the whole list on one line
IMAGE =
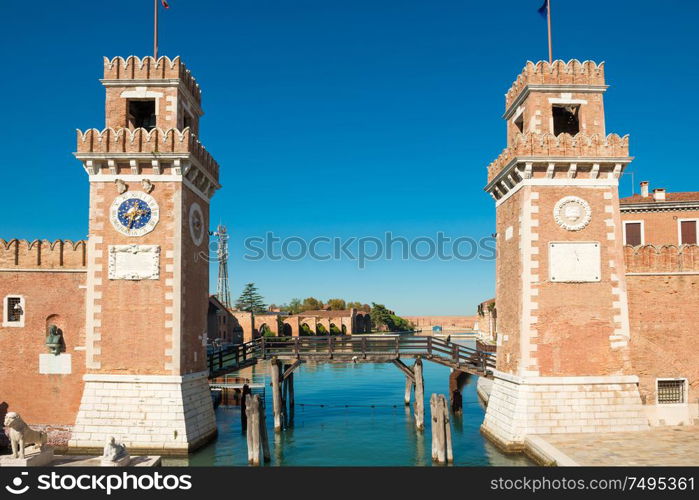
[(14, 309), (671, 391)]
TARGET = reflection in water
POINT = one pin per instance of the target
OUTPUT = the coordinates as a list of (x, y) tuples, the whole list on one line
[(363, 421)]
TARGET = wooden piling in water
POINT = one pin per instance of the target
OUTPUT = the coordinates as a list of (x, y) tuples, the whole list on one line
[(277, 406), (442, 451), (291, 391), (456, 382), (252, 408), (419, 395), (447, 430), (285, 390), (408, 389), (433, 425), (263, 430), (243, 406)]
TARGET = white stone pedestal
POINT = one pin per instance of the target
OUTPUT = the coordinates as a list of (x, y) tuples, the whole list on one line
[(33, 458), (519, 407), (147, 413), (119, 462)]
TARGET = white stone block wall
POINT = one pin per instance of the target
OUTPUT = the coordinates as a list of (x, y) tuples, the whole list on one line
[(550, 405), (144, 411)]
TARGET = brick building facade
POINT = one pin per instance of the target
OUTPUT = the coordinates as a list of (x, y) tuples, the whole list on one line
[(579, 324), (132, 300)]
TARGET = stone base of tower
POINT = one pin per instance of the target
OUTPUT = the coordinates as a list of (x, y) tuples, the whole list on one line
[(167, 415), (518, 407)]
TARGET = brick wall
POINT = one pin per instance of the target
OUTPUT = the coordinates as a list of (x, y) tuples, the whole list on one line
[(660, 228), (663, 287), (42, 254), (49, 298), (576, 320), (129, 334), (447, 322), (508, 284), (195, 287)]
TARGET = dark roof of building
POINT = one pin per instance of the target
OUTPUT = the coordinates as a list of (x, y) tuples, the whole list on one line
[(669, 197), (328, 314)]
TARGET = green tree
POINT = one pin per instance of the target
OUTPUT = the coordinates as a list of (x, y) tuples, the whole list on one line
[(294, 306), (382, 318), (321, 330), (311, 304), (250, 300), (359, 306), (266, 331), (305, 330), (337, 304)]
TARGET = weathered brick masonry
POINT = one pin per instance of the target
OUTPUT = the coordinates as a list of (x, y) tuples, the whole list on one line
[(564, 362), (132, 301)]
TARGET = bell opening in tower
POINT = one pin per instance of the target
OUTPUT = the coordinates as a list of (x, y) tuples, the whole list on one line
[(142, 114), (519, 123), (565, 119)]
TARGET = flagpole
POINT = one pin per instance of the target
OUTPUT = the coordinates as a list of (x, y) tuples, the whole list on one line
[(155, 29), (548, 18)]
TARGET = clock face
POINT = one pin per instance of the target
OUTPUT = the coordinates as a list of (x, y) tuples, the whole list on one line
[(196, 223), (134, 213), (572, 213)]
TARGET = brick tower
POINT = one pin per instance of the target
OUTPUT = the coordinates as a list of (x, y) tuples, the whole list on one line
[(563, 327), (147, 270)]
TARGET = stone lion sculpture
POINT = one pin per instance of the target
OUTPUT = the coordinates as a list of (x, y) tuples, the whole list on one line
[(22, 435), (113, 451)]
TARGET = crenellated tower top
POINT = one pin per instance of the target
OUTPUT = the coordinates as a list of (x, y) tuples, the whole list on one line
[(148, 68), (152, 112), (556, 127), (558, 73), (148, 93), (556, 98)]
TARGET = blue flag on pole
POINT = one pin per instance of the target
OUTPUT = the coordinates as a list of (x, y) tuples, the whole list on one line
[(543, 10)]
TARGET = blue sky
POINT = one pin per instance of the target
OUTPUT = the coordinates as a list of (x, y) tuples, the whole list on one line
[(343, 119)]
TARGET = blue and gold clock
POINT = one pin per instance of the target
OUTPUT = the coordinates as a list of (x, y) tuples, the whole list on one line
[(134, 213)]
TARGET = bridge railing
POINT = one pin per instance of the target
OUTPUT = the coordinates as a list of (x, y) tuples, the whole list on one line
[(232, 356), (348, 347)]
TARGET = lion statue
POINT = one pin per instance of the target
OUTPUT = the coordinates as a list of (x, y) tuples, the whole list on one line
[(22, 435), (113, 451)]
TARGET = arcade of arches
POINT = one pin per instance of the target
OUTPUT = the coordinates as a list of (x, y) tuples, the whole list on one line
[(234, 326)]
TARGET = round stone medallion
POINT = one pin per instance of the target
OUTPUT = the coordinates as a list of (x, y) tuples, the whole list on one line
[(572, 213), (196, 223)]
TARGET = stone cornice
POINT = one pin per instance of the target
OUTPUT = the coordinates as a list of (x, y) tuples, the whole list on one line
[(663, 206), (105, 167), (522, 167), (125, 144)]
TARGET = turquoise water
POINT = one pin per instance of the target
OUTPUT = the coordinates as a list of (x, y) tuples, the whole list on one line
[(357, 435)]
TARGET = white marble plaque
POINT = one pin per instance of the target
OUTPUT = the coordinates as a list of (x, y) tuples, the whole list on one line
[(574, 262), (55, 364), (134, 262)]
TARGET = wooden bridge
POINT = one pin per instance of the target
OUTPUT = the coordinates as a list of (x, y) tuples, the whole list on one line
[(286, 354), (349, 349)]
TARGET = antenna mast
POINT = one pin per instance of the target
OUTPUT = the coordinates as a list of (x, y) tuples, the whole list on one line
[(223, 292)]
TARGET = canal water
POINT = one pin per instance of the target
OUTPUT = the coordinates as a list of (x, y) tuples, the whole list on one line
[(353, 415)]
